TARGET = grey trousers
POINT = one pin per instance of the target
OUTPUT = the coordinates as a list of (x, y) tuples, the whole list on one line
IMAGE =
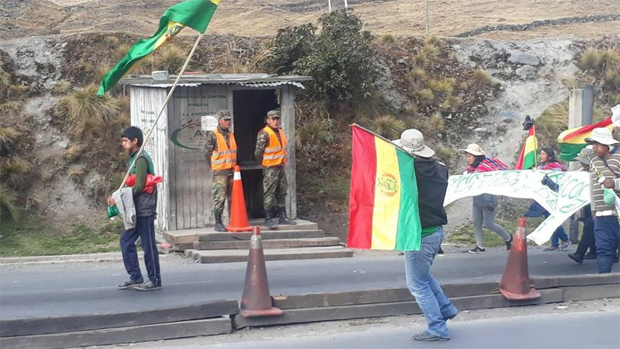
[(481, 215)]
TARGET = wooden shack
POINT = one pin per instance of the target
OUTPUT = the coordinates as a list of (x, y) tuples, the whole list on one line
[(177, 145)]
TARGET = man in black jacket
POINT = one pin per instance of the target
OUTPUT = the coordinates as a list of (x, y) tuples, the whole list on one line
[(432, 181)]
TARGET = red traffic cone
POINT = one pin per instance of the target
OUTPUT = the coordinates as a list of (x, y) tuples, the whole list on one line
[(256, 300), (238, 213), (515, 283)]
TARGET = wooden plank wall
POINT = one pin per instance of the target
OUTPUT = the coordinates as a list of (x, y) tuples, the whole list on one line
[(190, 174), (287, 111), (145, 104)]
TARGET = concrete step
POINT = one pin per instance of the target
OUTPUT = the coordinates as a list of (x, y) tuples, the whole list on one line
[(269, 243), (266, 235), (188, 236), (227, 256)]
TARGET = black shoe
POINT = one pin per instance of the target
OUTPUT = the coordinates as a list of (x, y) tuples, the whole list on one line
[(269, 222), (590, 256), (429, 337), (615, 259), (509, 243), (477, 249), (451, 316), (577, 258), (219, 226), (284, 218), (148, 286), (130, 284), (440, 251)]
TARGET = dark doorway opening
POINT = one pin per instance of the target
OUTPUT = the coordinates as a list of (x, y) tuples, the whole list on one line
[(249, 110)]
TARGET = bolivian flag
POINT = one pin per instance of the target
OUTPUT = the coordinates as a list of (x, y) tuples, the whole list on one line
[(572, 141), (384, 212), (195, 14), (527, 158)]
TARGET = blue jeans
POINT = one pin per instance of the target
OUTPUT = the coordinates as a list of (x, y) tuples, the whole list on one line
[(427, 292), (606, 238), (145, 229)]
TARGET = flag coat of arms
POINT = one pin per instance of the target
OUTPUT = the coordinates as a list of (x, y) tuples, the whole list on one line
[(383, 208), (195, 14)]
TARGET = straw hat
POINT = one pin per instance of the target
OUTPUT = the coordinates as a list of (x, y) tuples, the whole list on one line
[(474, 149)]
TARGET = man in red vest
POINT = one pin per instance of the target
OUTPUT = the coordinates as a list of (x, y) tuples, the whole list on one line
[(222, 157), (271, 153)]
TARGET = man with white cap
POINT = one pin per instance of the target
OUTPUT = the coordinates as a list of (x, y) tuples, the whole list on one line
[(605, 170), (432, 181)]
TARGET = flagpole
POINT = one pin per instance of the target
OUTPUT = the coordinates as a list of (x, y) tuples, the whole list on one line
[(161, 110)]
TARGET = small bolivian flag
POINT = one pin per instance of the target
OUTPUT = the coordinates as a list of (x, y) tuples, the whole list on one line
[(573, 140), (195, 14), (383, 208), (527, 157)]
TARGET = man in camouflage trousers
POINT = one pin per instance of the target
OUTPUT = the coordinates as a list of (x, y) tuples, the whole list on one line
[(271, 153), (221, 152)]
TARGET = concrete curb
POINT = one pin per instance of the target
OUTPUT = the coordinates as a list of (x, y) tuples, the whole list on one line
[(70, 258), (193, 328), (48, 325), (398, 301)]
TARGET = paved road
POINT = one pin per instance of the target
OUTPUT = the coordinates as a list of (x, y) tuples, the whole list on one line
[(562, 331), (87, 288)]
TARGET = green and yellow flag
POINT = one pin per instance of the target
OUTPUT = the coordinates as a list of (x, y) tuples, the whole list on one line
[(195, 14)]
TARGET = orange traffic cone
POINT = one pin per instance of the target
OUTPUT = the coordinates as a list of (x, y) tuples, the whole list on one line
[(256, 300), (515, 283), (238, 213)]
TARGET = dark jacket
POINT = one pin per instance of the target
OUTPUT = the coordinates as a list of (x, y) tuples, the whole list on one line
[(432, 180), (145, 203)]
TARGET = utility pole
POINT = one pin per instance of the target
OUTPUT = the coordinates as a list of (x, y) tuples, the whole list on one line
[(428, 25), (329, 5), (346, 4)]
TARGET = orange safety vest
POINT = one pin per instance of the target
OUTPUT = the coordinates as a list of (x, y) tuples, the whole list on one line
[(224, 158), (275, 153)]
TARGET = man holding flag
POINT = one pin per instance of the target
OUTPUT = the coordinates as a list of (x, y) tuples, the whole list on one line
[(432, 181)]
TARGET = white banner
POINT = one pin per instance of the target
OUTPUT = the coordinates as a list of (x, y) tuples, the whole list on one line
[(574, 193)]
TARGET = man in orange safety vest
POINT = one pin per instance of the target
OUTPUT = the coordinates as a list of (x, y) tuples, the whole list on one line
[(271, 153), (221, 154)]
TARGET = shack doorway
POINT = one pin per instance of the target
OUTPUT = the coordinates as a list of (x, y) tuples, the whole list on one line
[(249, 110)]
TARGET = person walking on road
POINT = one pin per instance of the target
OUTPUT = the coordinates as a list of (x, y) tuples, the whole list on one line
[(271, 153), (432, 182), (587, 237), (484, 205), (604, 171), (146, 210), (221, 152), (549, 162)]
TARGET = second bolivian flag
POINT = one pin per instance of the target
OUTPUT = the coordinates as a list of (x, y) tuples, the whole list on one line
[(195, 14), (383, 209), (572, 141)]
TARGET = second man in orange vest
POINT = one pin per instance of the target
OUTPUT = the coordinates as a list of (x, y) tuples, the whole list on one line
[(271, 153), (221, 154)]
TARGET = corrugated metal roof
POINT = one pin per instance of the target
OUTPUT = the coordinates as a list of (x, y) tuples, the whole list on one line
[(249, 80)]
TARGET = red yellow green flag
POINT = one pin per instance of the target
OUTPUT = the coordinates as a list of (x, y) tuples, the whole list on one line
[(195, 14), (527, 158), (383, 209), (572, 141)]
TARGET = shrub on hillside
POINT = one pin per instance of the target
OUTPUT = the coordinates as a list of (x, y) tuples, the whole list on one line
[(339, 58)]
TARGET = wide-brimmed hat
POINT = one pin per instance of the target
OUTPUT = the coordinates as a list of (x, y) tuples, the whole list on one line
[(585, 155), (474, 149), (412, 141), (602, 135)]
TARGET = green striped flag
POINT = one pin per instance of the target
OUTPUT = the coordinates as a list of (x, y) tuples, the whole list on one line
[(195, 14)]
